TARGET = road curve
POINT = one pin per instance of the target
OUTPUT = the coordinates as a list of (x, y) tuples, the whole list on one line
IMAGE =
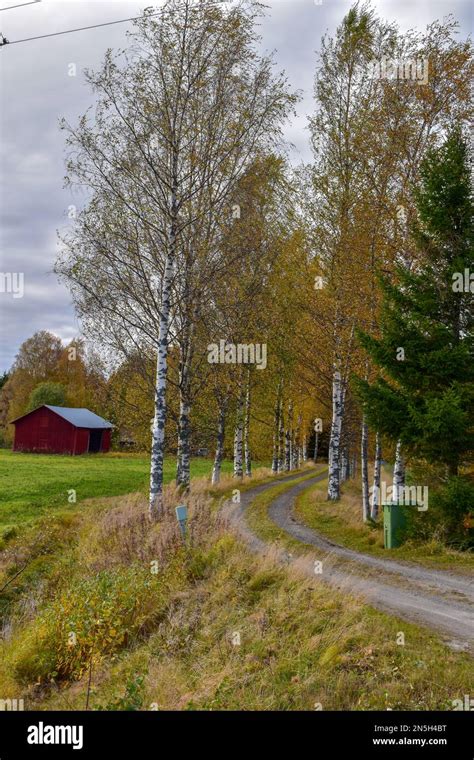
[(437, 599)]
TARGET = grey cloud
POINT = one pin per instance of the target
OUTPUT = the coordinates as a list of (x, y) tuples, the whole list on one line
[(36, 91)]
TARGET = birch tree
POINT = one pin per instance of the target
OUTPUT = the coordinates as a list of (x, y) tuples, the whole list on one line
[(239, 433), (365, 470), (316, 442), (247, 452), (368, 136), (398, 473), (276, 429), (375, 504), (179, 116), (223, 402)]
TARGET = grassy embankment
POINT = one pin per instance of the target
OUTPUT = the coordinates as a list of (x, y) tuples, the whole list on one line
[(209, 626)]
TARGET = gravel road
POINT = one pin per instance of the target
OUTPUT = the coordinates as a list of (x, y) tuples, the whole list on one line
[(438, 599)]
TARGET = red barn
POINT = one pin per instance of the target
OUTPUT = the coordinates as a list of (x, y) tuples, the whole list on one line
[(61, 430)]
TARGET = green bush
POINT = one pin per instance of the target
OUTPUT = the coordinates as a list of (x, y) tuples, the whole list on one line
[(450, 515), (92, 618), (132, 699)]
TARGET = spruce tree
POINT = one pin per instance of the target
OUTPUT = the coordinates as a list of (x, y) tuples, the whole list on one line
[(425, 393)]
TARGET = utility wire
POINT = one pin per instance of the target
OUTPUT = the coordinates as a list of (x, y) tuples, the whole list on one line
[(70, 31), (9, 7), (4, 41)]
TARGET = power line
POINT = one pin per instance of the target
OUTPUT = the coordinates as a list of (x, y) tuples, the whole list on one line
[(70, 31), (4, 41), (9, 7)]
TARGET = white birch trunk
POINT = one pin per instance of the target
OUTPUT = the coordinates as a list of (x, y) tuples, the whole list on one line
[(343, 465), (238, 437), (297, 445), (281, 441), (316, 442), (334, 484), (216, 469), (287, 450), (276, 432), (364, 465), (304, 451), (374, 507), (247, 452), (183, 467), (288, 442), (398, 473), (159, 420), (156, 507)]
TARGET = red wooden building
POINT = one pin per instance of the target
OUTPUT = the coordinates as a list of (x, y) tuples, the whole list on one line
[(61, 430)]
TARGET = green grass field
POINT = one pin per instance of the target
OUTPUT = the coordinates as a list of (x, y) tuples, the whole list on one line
[(32, 485)]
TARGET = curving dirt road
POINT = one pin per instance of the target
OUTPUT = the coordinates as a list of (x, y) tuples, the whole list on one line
[(440, 600)]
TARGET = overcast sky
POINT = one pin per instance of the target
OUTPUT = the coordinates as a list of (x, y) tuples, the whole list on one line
[(36, 91)]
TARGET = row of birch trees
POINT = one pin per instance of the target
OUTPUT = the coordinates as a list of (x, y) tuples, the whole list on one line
[(196, 231)]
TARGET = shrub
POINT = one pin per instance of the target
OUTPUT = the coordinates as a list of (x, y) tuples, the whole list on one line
[(132, 699), (450, 515), (91, 619)]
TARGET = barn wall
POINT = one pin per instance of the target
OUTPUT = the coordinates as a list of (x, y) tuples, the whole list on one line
[(43, 430), (105, 440)]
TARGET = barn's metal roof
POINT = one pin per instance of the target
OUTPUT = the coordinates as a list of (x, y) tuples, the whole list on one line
[(82, 418)]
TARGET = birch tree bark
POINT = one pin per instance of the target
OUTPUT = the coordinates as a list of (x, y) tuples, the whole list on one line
[(183, 463), (281, 441), (316, 442), (216, 469), (374, 509), (297, 444), (364, 465), (158, 429), (335, 438), (238, 435), (288, 436), (398, 473), (276, 432), (343, 464), (247, 452), (183, 474)]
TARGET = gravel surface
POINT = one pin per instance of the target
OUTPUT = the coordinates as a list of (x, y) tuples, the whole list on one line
[(437, 599)]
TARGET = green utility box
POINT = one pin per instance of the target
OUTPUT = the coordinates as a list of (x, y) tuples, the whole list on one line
[(394, 521)]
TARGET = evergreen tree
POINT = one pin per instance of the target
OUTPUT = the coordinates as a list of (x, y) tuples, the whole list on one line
[(425, 350)]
